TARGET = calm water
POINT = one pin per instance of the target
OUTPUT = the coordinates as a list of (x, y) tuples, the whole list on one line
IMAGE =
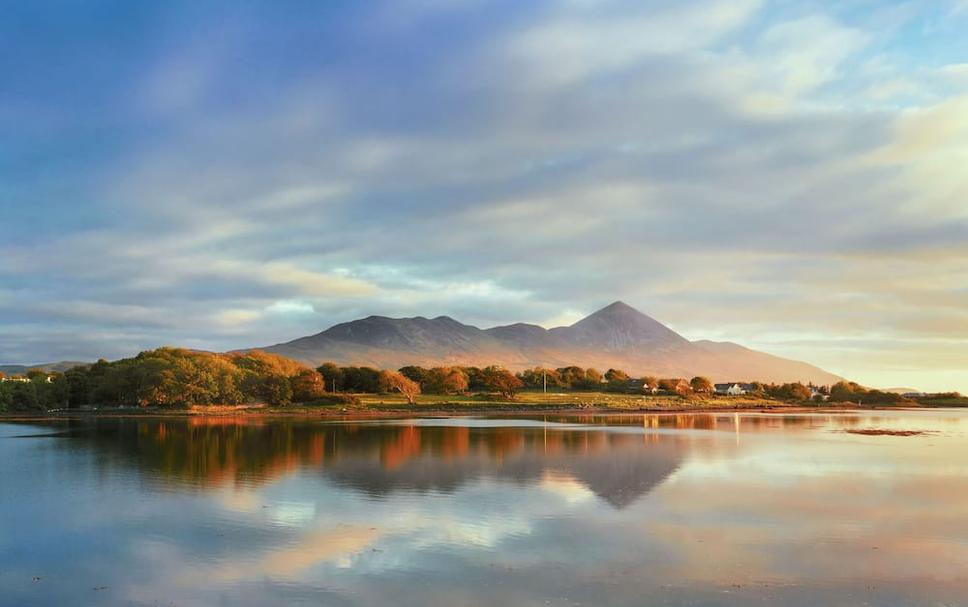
[(624, 510)]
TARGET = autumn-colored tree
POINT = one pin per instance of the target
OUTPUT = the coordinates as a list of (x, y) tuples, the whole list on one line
[(843, 391), (701, 385), (571, 377), (454, 381), (307, 385), (675, 385), (502, 381), (394, 381), (616, 376), (794, 391)]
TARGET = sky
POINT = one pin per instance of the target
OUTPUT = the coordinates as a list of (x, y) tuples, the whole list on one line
[(788, 175)]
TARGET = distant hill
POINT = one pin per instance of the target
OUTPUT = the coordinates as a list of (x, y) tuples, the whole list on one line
[(49, 367), (617, 336)]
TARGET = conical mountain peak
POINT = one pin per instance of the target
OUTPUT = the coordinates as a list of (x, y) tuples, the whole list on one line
[(619, 325), (617, 310)]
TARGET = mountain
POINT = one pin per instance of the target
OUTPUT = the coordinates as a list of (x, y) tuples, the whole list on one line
[(59, 367), (617, 336)]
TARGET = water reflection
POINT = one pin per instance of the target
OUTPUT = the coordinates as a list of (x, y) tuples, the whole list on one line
[(718, 509), (378, 459)]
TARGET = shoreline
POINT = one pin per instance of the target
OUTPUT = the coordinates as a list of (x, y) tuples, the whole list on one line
[(394, 412)]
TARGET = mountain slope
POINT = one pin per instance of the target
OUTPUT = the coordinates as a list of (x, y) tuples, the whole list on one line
[(616, 336)]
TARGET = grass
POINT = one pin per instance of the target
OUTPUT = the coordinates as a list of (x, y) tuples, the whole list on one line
[(944, 402), (472, 403), (561, 400)]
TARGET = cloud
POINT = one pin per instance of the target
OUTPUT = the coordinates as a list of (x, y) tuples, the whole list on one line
[(746, 170)]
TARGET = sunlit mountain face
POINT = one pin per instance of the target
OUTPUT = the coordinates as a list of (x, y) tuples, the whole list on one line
[(617, 336)]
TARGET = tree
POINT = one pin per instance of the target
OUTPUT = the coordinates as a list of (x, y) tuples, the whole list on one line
[(701, 384), (332, 376), (78, 387), (53, 394), (454, 381), (593, 378), (571, 377), (794, 391), (475, 378), (616, 375), (417, 374), (276, 390), (650, 382), (843, 391), (361, 379), (618, 380), (396, 381), (502, 381), (37, 375), (307, 385), (675, 385), (23, 396)]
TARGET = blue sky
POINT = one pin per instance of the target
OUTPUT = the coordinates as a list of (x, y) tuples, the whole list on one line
[(787, 175)]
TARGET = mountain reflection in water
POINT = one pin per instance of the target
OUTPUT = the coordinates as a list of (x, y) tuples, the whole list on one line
[(379, 459), (625, 510)]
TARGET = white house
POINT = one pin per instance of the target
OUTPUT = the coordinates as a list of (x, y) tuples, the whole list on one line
[(815, 392), (732, 389)]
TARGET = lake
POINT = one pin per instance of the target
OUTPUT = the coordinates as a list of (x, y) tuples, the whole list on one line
[(697, 509)]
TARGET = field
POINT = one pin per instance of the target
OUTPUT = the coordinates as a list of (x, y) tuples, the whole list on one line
[(559, 400)]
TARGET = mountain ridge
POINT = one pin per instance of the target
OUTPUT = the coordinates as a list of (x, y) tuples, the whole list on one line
[(616, 336)]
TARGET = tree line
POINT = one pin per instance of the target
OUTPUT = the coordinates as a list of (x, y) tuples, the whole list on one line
[(177, 377), (168, 377)]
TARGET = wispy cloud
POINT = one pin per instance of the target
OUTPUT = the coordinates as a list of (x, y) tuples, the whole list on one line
[(754, 171)]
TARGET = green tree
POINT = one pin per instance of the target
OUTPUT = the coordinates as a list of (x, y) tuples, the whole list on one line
[(361, 379), (23, 397), (78, 387), (417, 374), (332, 376), (276, 390)]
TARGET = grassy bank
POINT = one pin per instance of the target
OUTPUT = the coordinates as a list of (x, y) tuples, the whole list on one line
[(523, 403), (564, 400), (431, 404)]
